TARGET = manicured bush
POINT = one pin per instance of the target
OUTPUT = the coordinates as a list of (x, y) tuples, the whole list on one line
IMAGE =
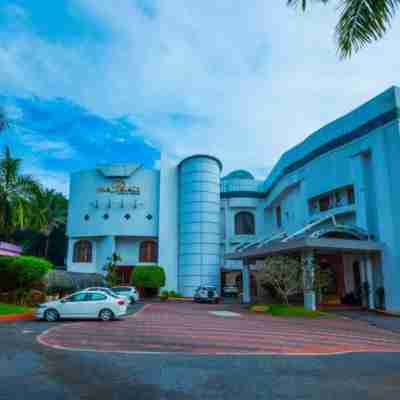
[(148, 277), (22, 272), (164, 295)]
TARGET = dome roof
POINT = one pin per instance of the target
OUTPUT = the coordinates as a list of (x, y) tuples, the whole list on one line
[(239, 174)]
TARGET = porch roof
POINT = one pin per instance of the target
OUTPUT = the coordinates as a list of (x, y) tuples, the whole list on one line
[(307, 243)]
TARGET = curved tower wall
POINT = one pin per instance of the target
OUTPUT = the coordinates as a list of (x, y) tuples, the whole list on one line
[(199, 223)]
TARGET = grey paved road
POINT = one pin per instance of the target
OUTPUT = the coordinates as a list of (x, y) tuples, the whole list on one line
[(29, 370), (391, 323)]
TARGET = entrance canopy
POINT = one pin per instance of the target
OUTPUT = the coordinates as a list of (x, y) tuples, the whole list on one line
[(332, 239)]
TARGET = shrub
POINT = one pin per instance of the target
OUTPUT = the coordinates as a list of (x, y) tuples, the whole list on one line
[(164, 295), (22, 272), (172, 293), (148, 277)]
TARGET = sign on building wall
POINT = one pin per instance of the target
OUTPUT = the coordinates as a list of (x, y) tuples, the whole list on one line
[(120, 187)]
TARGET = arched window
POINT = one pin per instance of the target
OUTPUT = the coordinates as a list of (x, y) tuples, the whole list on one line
[(82, 251), (148, 251), (244, 223)]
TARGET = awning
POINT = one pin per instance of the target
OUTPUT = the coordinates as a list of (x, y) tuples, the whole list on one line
[(307, 243)]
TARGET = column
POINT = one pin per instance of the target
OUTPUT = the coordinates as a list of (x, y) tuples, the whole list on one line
[(308, 260), (364, 300), (370, 280), (246, 283)]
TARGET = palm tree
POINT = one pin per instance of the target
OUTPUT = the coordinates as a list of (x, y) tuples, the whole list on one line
[(15, 193), (360, 23), (48, 212)]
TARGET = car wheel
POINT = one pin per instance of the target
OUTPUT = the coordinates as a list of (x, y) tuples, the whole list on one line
[(51, 315), (106, 315), (133, 301)]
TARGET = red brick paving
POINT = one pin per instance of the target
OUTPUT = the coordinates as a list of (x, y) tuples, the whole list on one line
[(190, 328)]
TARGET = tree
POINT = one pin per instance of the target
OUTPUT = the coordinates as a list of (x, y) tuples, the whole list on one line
[(149, 278), (16, 191), (288, 276), (361, 22), (284, 274), (48, 212), (113, 278)]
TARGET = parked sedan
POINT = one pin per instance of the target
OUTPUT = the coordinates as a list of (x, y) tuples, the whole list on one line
[(230, 290), (129, 292), (101, 289), (84, 304), (206, 294)]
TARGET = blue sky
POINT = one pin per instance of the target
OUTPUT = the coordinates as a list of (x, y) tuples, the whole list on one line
[(88, 81)]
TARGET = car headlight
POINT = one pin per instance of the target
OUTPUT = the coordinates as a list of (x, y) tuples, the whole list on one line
[(41, 306)]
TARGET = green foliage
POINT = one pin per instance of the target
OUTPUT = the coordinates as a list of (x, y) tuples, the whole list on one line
[(22, 272), (284, 310), (16, 192), (361, 22), (148, 277), (177, 295), (7, 309), (164, 295), (113, 278)]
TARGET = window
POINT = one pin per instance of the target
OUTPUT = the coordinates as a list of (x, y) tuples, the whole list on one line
[(96, 297), (148, 251), (77, 297), (278, 213), (82, 252), (324, 203), (350, 195), (244, 223)]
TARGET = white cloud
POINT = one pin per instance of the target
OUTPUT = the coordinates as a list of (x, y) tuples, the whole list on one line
[(57, 149), (261, 76)]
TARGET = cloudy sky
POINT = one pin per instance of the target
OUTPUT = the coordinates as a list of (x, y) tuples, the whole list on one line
[(88, 81)]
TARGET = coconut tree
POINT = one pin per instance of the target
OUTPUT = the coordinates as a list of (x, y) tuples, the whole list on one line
[(48, 212), (360, 22), (15, 194)]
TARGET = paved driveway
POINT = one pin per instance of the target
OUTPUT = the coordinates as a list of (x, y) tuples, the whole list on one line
[(221, 329), (29, 370)]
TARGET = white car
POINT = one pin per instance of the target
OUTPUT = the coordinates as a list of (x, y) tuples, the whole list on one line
[(84, 304), (102, 289), (128, 292)]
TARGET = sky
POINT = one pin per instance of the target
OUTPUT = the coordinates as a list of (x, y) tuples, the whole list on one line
[(87, 81)]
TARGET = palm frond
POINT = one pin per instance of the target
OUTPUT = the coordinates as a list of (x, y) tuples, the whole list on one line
[(303, 3), (362, 22)]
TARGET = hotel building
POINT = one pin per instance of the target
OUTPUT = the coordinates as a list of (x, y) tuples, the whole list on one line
[(332, 200)]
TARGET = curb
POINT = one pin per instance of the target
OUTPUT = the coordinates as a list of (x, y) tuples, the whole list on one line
[(387, 313), (17, 317)]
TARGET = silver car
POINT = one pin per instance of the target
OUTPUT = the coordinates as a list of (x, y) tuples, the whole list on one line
[(84, 304), (100, 289), (206, 294), (129, 292)]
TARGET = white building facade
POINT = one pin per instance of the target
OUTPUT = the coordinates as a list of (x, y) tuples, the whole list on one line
[(332, 198)]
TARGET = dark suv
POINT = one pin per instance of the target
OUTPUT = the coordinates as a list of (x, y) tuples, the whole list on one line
[(206, 294)]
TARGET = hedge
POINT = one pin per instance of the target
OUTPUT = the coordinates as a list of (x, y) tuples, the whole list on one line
[(148, 277), (22, 272)]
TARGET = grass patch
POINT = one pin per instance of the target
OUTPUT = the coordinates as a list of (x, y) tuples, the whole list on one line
[(282, 310), (7, 309)]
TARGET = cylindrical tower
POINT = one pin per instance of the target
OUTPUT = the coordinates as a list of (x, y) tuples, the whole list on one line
[(199, 223)]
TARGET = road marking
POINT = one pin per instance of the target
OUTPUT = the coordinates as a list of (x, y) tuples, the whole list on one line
[(224, 313)]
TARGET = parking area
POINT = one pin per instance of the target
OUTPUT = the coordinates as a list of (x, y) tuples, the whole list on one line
[(220, 329)]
